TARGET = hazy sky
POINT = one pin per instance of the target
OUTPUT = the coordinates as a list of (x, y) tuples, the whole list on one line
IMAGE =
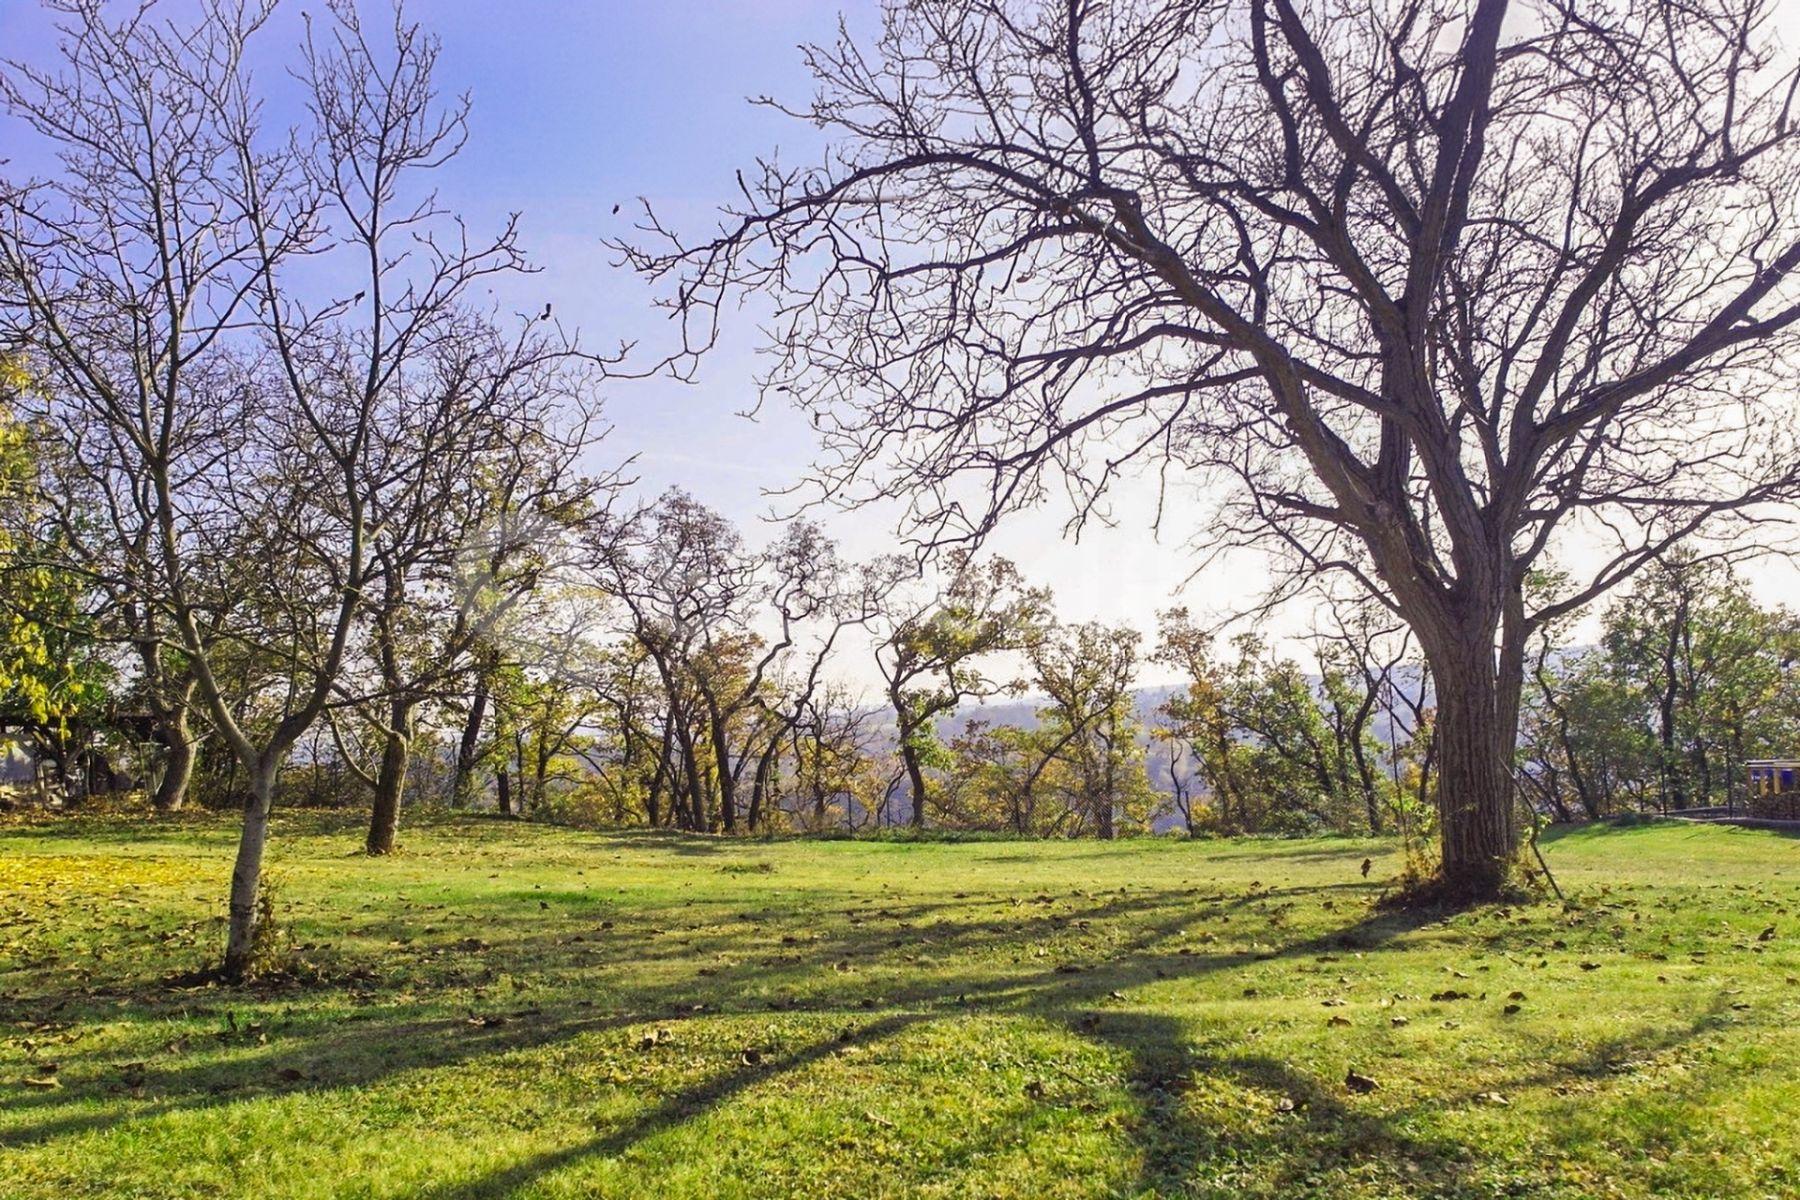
[(581, 106)]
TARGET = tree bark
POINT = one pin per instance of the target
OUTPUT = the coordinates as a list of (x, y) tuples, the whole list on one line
[(390, 779), (462, 789), (246, 876), (653, 802), (915, 775), (721, 748), (178, 763), (1474, 736)]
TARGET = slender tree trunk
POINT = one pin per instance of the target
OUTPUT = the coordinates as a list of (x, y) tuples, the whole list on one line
[(720, 736), (653, 802), (540, 773), (758, 788), (390, 779), (915, 775), (1109, 782), (696, 784), (246, 875), (462, 788), (909, 753), (1366, 776)]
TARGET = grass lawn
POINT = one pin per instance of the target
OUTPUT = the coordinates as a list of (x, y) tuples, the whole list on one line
[(513, 1010)]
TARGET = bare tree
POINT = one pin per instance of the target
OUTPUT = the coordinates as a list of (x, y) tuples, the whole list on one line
[(201, 374), (1436, 285), (476, 491)]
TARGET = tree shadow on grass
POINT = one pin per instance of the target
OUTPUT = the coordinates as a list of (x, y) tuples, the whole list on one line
[(357, 1053), (1075, 991)]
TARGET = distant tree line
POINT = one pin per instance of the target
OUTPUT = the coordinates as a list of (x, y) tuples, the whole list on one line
[(1692, 675)]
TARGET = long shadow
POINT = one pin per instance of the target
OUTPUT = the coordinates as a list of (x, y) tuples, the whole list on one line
[(362, 1053), (1160, 1055), (681, 1107), (1161, 1060)]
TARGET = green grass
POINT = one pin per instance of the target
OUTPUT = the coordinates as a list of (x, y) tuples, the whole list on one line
[(512, 1010)]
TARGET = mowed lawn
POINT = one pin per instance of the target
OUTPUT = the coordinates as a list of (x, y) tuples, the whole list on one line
[(515, 1010)]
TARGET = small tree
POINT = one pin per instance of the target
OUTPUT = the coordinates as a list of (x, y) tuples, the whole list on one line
[(1090, 721), (932, 651)]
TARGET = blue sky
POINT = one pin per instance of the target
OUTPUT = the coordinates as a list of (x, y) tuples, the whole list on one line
[(581, 106)]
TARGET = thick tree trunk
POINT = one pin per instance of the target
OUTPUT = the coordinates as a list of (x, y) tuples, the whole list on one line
[(178, 763), (1476, 728), (246, 876)]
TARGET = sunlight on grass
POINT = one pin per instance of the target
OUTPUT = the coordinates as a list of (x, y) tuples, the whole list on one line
[(508, 1009)]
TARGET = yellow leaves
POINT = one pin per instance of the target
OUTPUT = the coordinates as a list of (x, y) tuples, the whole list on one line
[(14, 378), (92, 874)]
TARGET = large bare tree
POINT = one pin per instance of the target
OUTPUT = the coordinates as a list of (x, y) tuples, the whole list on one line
[(1441, 288)]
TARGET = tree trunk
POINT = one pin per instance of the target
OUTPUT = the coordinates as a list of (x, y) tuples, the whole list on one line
[(758, 789), (721, 748), (1103, 810), (390, 780), (178, 763), (1474, 736), (1366, 776), (915, 775), (664, 773), (696, 785), (246, 876), (462, 789)]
